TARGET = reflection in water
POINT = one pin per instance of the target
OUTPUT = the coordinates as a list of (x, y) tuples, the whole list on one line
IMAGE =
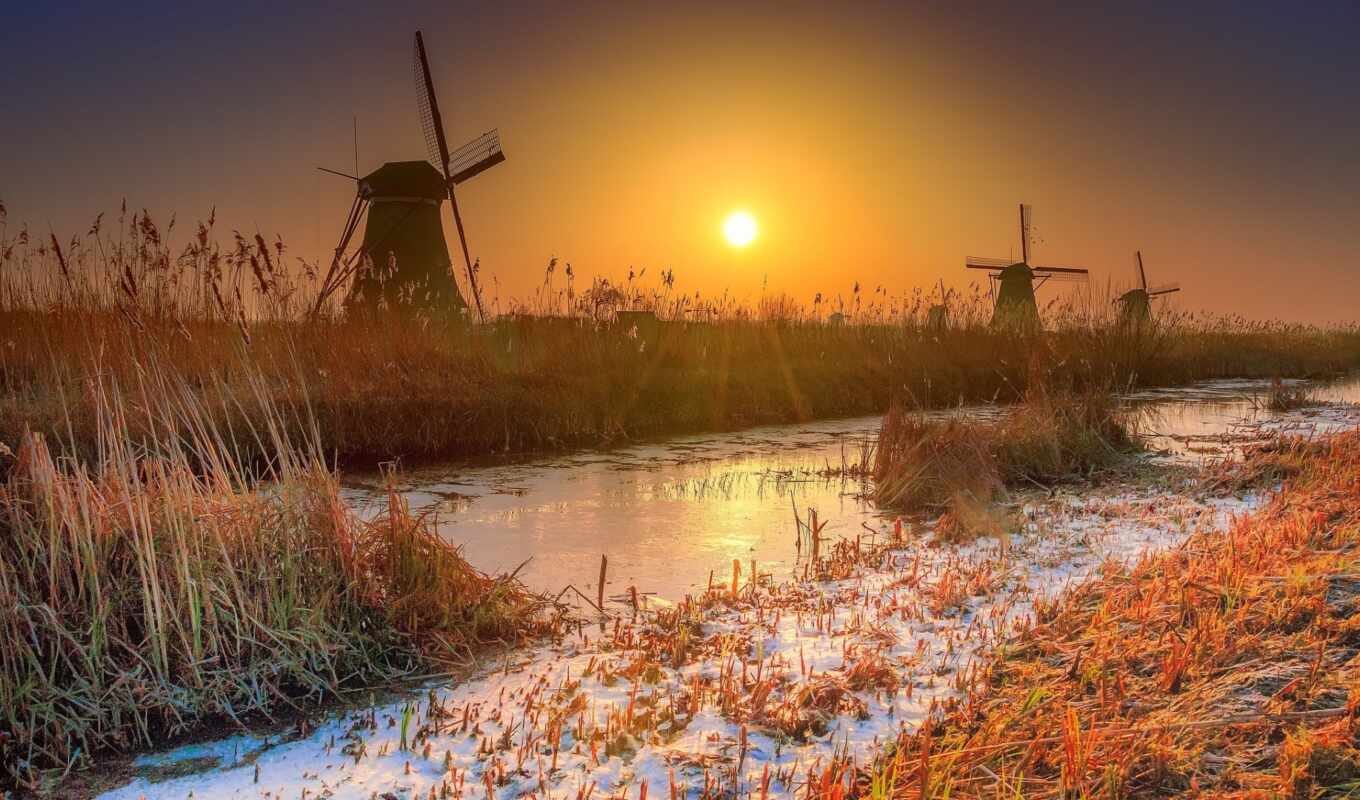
[(1213, 420), (664, 514), (668, 514)]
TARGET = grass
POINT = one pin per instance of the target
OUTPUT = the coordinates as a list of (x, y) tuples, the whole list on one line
[(160, 586), (1287, 398), (1227, 666), (553, 372), (965, 464)]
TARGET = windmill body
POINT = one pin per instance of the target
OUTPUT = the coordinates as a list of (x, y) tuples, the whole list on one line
[(405, 261), (1135, 306), (1015, 302), (1014, 282), (937, 316)]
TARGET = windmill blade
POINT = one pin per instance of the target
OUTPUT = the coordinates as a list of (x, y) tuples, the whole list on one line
[(1165, 288), (1026, 221), (476, 157), (430, 122), (1061, 277), (338, 172), (1064, 270), (1142, 276), (976, 262), (433, 125)]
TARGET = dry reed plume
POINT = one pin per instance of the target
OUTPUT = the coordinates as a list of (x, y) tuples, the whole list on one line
[(159, 587), (555, 371)]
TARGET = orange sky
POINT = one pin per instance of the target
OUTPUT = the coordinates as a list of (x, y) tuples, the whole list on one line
[(871, 143)]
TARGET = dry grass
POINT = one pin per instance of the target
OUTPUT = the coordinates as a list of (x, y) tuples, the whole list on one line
[(963, 464), (551, 373), (158, 587), (1287, 398), (1227, 667)]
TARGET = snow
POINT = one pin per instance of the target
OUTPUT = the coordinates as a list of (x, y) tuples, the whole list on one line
[(899, 609)]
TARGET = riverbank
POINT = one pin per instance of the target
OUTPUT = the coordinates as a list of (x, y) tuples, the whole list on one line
[(164, 587), (421, 393), (1226, 665), (755, 685)]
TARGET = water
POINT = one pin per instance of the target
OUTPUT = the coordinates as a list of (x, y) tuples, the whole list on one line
[(1212, 420), (668, 514)]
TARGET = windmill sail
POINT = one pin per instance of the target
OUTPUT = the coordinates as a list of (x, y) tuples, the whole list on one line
[(976, 262), (476, 157), (431, 123), (433, 126)]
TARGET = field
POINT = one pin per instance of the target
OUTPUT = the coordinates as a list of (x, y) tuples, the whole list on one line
[(552, 372), (176, 553)]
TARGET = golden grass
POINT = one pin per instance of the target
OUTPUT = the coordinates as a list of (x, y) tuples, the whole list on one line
[(159, 587), (551, 373), (964, 464), (1226, 667)]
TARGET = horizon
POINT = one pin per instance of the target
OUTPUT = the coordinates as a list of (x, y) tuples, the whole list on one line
[(877, 146)]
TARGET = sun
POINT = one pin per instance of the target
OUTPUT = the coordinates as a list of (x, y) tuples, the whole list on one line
[(739, 228)]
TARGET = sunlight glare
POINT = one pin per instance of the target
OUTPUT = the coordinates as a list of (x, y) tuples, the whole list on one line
[(739, 228)]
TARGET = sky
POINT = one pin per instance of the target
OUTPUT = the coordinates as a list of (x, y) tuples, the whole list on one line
[(878, 143)]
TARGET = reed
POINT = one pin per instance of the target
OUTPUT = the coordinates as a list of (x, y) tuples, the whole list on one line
[(162, 585), (964, 464), (555, 370)]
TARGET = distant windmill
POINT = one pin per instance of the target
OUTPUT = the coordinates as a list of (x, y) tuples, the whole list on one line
[(1135, 305), (407, 260), (1013, 283), (937, 318)]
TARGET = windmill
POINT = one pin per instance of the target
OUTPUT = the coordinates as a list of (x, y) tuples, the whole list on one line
[(937, 317), (403, 261), (1013, 283), (1135, 305)]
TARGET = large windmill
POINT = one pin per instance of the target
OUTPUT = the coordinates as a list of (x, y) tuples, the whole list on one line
[(1013, 282), (1135, 305), (403, 262)]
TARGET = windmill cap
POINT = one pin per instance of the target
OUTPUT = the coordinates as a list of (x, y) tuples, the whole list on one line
[(404, 179)]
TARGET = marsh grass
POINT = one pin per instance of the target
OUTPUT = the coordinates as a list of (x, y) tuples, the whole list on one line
[(165, 584), (1287, 398), (963, 465), (554, 371), (1225, 667)]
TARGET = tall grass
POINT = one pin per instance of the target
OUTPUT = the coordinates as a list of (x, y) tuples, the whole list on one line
[(1051, 436), (554, 370), (159, 585)]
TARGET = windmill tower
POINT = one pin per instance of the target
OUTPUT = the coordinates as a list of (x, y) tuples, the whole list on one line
[(403, 261), (1135, 305), (1013, 283), (937, 317)]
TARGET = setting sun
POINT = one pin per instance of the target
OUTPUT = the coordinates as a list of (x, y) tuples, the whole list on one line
[(739, 228)]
